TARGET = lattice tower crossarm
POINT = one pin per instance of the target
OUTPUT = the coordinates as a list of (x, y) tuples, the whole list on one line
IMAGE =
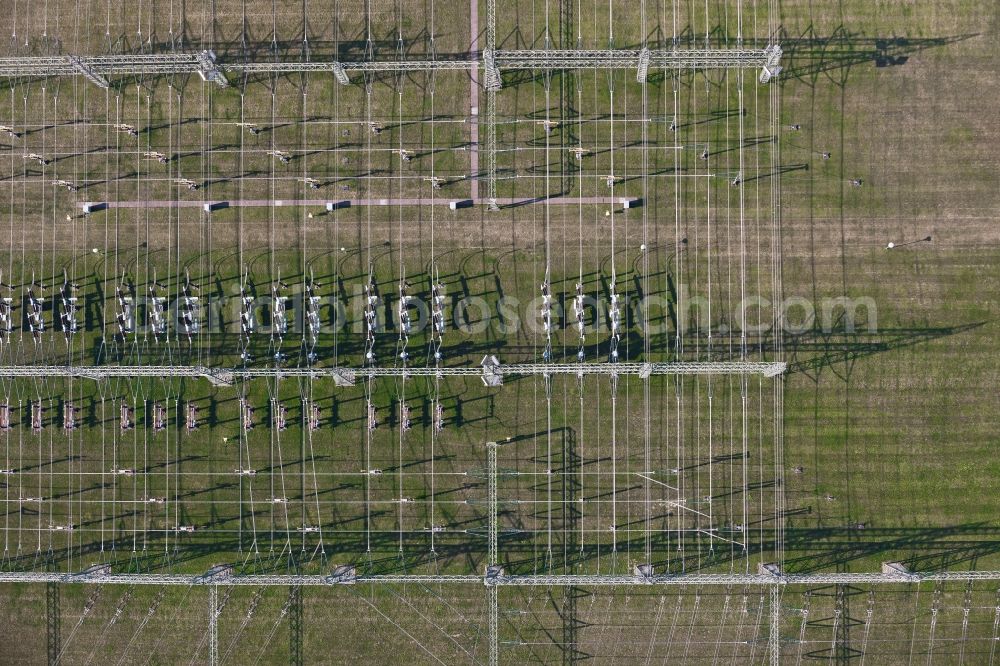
[(631, 58), (759, 580), (166, 63), (372, 66), (203, 63), (229, 375), (762, 580)]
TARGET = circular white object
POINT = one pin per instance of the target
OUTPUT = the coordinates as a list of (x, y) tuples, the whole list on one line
[(95, 250), (607, 213), (642, 247), (343, 249), (890, 246)]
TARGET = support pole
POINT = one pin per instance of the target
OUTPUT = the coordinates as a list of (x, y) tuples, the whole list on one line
[(491, 76), (772, 642), (491, 150), (491, 28), (493, 569), (491, 463), (213, 624), (494, 625), (996, 629)]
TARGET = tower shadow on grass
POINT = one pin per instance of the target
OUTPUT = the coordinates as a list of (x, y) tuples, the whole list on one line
[(920, 548), (815, 350), (809, 54)]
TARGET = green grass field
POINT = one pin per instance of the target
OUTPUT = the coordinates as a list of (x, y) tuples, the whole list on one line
[(885, 436), (894, 425)]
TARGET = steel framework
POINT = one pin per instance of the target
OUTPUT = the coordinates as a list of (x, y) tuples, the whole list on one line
[(493, 577), (493, 82), (87, 71), (492, 60), (493, 572), (347, 376), (774, 626), (213, 624), (499, 579)]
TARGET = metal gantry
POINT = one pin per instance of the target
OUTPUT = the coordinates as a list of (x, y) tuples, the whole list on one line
[(632, 59), (88, 71), (492, 83), (491, 466), (132, 64), (769, 576), (97, 68), (347, 376), (493, 61), (493, 570), (501, 579), (773, 642), (213, 624)]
